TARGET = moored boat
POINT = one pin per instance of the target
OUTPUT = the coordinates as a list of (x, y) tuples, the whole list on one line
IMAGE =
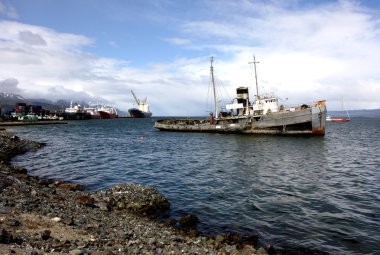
[(74, 112), (92, 112), (263, 116), (137, 113), (142, 110), (335, 119), (107, 112), (340, 119)]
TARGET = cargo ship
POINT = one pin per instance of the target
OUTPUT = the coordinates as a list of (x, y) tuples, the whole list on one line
[(142, 110), (262, 116)]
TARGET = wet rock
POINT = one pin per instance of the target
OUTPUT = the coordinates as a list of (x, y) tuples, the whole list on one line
[(220, 239), (192, 232), (103, 206), (19, 170), (120, 205), (75, 252), (170, 222), (14, 223), (46, 235), (250, 240), (70, 186), (60, 198), (233, 238), (33, 193), (5, 182), (85, 200), (45, 182), (4, 209), (188, 221), (248, 249), (134, 197), (14, 138), (5, 237), (261, 251), (271, 250), (33, 253)]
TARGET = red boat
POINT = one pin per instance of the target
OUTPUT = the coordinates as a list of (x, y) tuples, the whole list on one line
[(107, 112), (340, 119), (334, 119)]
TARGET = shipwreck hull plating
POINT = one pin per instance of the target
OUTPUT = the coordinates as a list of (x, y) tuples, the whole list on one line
[(311, 120)]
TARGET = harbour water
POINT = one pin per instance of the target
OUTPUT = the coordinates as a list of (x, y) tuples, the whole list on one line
[(314, 192)]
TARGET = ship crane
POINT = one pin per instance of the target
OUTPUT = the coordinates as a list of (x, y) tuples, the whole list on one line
[(137, 100)]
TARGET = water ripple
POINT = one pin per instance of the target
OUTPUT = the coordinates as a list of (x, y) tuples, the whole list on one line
[(317, 192)]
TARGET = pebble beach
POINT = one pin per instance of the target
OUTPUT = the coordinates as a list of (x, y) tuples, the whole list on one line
[(39, 216)]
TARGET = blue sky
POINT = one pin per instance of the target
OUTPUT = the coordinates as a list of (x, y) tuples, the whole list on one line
[(100, 50)]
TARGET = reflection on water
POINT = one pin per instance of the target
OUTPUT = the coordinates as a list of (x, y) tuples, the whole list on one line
[(317, 192)]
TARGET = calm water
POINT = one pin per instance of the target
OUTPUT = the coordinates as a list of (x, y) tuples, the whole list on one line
[(317, 192)]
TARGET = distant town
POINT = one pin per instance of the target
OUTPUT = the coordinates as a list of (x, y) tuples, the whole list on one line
[(16, 108)]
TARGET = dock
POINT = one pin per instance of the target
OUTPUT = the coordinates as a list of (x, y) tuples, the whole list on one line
[(42, 122)]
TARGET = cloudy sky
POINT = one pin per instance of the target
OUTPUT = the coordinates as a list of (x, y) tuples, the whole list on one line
[(101, 50)]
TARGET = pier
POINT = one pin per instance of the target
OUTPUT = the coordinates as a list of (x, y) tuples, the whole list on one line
[(43, 122)]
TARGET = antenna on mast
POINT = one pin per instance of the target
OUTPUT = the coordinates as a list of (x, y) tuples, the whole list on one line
[(254, 64)]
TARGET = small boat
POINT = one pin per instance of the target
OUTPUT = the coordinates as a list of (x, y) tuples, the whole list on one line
[(142, 110), (335, 119), (340, 119), (262, 116), (107, 112)]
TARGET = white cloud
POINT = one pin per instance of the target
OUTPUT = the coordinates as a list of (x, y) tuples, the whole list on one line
[(321, 52), (178, 41), (303, 52), (8, 10)]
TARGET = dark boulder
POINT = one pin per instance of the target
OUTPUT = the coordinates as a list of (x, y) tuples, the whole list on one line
[(46, 235), (133, 197), (188, 221)]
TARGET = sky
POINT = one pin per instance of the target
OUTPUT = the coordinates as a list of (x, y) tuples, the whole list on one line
[(98, 51)]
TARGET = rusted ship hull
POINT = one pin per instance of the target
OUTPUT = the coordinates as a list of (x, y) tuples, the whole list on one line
[(310, 120)]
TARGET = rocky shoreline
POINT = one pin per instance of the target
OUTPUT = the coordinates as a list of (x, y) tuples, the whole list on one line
[(40, 216)]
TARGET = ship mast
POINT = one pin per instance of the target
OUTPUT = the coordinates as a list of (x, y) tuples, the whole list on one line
[(257, 86), (213, 87)]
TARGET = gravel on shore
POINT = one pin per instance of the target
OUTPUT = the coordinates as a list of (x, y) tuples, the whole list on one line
[(40, 216)]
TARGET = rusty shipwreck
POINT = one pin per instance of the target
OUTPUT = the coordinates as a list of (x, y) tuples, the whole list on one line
[(262, 116)]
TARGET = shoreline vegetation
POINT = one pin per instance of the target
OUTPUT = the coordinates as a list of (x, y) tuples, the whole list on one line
[(40, 216)]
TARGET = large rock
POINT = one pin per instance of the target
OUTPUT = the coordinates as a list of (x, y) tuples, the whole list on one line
[(11, 145), (188, 221), (133, 197)]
